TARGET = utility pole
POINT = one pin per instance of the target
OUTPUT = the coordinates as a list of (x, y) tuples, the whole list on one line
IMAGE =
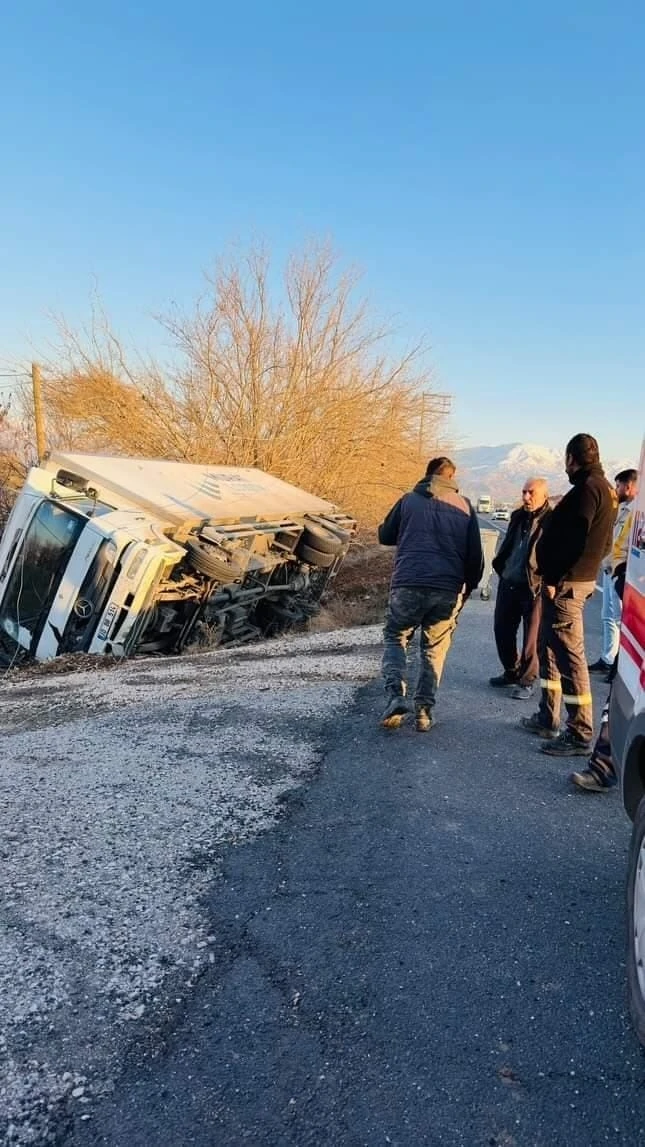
[(39, 418), (435, 406), (422, 423)]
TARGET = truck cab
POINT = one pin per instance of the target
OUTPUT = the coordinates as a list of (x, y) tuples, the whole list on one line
[(627, 736)]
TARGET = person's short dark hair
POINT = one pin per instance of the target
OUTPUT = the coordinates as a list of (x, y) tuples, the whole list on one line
[(583, 448), (441, 466), (627, 476)]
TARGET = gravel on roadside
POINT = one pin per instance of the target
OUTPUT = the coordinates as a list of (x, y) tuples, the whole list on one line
[(119, 788)]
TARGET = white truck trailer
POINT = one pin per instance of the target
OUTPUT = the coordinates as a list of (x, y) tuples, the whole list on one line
[(484, 504), (127, 555)]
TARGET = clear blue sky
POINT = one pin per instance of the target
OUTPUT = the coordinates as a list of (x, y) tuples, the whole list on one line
[(483, 161)]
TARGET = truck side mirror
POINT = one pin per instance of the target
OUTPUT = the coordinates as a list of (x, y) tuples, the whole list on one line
[(71, 480)]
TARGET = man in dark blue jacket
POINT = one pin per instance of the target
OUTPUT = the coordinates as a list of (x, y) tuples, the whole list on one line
[(438, 563)]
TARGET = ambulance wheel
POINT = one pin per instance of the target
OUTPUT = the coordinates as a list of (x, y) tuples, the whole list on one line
[(636, 923)]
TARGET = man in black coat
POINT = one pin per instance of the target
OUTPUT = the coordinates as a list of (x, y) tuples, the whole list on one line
[(576, 539), (519, 598)]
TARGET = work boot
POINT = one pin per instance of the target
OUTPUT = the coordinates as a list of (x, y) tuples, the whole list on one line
[(423, 719), (599, 666), (522, 693), (567, 745), (533, 724), (395, 712), (592, 783), (505, 680)]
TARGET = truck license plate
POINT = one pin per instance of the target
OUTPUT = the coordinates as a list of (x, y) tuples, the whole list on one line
[(110, 614)]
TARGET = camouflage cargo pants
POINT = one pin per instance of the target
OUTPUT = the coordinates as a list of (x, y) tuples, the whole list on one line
[(434, 612)]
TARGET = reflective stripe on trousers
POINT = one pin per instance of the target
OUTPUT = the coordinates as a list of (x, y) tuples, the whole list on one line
[(568, 698), (564, 675)]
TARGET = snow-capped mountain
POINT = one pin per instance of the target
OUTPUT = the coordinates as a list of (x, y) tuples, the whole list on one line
[(501, 470)]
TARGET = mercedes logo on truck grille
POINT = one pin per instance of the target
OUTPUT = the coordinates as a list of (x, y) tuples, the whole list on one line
[(83, 609)]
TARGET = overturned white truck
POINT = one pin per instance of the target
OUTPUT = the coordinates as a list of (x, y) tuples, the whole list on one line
[(128, 555)]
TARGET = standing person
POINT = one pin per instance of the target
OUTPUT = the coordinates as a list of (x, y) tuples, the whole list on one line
[(626, 490), (569, 552), (438, 563), (600, 774), (519, 600)]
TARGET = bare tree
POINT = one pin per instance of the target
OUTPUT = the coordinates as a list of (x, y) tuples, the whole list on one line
[(291, 377), (15, 458)]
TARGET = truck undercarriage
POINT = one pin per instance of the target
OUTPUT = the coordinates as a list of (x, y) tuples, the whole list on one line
[(274, 588)]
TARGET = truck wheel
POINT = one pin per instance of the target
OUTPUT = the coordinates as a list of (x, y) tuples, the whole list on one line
[(322, 539), (636, 923), (275, 617), (315, 557), (202, 558)]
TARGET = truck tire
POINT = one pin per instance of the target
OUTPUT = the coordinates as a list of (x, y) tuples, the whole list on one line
[(202, 557), (636, 923), (274, 617), (322, 539), (315, 557)]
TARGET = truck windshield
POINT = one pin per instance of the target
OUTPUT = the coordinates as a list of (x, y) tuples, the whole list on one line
[(40, 565)]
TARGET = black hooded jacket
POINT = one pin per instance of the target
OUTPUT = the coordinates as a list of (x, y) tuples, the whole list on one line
[(437, 539), (579, 531)]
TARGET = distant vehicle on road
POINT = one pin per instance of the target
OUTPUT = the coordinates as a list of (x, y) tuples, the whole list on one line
[(627, 735), (501, 515), (484, 504)]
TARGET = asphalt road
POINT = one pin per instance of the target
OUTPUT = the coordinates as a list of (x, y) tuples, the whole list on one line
[(427, 950)]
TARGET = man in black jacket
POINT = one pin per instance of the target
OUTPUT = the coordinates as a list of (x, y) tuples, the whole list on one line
[(569, 553), (519, 598), (439, 561)]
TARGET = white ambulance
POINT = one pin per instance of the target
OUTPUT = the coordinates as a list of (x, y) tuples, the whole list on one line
[(627, 732)]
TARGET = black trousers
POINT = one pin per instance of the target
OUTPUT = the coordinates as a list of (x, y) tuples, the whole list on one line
[(563, 661), (516, 607)]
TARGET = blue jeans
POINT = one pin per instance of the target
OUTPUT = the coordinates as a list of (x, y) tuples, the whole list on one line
[(435, 612), (611, 609)]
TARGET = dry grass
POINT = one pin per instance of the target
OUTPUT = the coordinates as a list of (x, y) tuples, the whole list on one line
[(359, 593), (66, 663)]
